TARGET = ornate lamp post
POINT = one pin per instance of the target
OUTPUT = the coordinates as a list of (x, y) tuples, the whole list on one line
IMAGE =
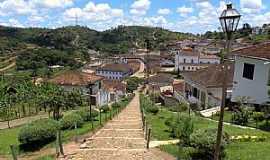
[(229, 21)]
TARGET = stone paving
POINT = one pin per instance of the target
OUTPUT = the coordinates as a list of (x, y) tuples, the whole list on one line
[(122, 138)]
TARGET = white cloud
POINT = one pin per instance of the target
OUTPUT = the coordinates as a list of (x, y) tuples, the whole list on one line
[(18, 7), (164, 11), (52, 3), (184, 11), (14, 23), (140, 7), (251, 6), (93, 12)]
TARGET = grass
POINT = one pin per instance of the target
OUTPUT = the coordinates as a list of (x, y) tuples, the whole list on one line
[(161, 132), (8, 137), (228, 118), (234, 151), (47, 157), (248, 151)]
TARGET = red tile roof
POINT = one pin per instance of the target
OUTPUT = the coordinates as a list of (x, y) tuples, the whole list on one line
[(75, 78), (211, 76), (111, 85), (260, 51), (179, 87)]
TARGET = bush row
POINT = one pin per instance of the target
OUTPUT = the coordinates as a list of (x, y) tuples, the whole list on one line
[(43, 131), (199, 143)]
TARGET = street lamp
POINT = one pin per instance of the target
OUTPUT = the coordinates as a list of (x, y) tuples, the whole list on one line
[(229, 21)]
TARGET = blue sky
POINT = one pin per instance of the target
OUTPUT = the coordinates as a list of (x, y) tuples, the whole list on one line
[(196, 16)]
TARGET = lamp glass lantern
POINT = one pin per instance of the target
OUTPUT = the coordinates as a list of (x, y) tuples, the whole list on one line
[(229, 19)]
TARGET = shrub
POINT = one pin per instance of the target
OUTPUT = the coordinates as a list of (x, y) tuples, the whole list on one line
[(116, 105), (195, 107), (69, 121), (258, 116), (85, 114), (152, 109), (105, 108), (204, 140), (241, 117), (181, 128), (38, 133), (182, 107)]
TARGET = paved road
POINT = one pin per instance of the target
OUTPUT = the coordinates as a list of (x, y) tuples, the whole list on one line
[(120, 139)]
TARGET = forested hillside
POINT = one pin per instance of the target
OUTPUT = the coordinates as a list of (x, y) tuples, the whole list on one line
[(77, 38)]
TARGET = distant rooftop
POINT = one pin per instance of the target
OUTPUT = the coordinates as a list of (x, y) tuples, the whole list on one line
[(211, 76), (258, 51), (116, 67), (75, 78)]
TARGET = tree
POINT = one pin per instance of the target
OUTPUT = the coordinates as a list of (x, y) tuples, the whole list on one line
[(56, 100), (133, 83)]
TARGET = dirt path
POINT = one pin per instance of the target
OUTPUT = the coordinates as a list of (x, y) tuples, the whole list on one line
[(21, 121), (140, 72), (13, 64), (120, 139)]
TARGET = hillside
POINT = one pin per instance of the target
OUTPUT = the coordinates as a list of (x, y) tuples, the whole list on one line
[(37, 48), (77, 38)]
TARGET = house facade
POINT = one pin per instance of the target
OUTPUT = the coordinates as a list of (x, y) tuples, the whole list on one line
[(71, 80), (114, 71), (204, 87), (251, 75), (189, 60), (160, 83), (116, 89)]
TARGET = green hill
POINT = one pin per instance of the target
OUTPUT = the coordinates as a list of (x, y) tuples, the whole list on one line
[(38, 48), (113, 41)]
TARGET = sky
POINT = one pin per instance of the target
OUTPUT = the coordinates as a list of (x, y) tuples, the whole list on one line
[(195, 16)]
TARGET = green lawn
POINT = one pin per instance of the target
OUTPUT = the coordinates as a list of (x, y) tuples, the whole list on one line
[(228, 118), (8, 137), (160, 130), (235, 150)]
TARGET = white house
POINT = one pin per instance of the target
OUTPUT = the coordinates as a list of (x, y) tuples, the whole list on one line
[(70, 80), (251, 75), (114, 71), (189, 60), (204, 86), (116, 89)]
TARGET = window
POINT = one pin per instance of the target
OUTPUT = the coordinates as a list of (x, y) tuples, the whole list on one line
[(192, 61), (248, 71), (184, 60)]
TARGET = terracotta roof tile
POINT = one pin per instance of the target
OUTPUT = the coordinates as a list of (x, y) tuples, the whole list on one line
[(211, 76), (161, 78), (261, 51), (75, 78), (111, 85), (116, 67)]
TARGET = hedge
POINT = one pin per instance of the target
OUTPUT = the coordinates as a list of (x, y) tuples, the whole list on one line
[(85, 114), (38, 133), (69, 121)]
